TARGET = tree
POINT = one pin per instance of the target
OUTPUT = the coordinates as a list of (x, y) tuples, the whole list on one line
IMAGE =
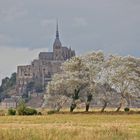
[(56, 92), (6, 85), (125, 78), (105, 91), (13, 79), (93, 66), (70, 82), (110, 79), (21, 108), (77, 79)]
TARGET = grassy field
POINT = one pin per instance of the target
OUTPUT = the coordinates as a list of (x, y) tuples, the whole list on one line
[(70, 127)]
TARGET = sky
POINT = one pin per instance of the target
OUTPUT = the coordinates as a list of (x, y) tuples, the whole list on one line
[(28, 27)]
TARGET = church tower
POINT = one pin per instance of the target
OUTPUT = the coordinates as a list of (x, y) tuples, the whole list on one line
[(57, 46)]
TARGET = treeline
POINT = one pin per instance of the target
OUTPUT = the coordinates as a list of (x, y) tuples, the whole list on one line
[(9, 83), (6, 85)]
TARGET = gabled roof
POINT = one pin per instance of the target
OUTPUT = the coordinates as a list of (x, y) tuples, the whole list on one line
[(9, 100)]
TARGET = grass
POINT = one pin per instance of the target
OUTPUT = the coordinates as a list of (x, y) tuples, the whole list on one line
[(71, 127)]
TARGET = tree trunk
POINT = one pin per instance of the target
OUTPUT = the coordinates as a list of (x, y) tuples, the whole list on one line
[(58, 108), (118, 109), (105, 105), (89, 98), (75, 97), (128, 101), (72, 107), (60, 105), (87, 107)]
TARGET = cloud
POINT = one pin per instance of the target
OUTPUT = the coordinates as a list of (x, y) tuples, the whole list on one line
[(80, 21), (10, 58), (12, 11), (86, 25), (5, 39), (48, 22)]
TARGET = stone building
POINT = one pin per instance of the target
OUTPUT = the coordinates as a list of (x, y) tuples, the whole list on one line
[(42, 69), (8, 103)]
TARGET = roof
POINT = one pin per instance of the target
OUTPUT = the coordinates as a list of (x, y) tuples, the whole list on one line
[(9, 100), (57, 43), (46, 55)]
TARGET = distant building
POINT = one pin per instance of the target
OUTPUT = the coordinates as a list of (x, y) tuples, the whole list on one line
[(42, 69), (9, 103)]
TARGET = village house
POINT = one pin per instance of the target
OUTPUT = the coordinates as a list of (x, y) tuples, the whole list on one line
[(9, 103)]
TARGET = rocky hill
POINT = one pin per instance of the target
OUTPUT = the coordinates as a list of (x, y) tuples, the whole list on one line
[(7, 87)]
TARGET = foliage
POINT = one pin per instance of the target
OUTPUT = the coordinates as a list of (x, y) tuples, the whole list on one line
[(11, 111), (39, 113), (30, 111), (23, 110), (126, 109), (7, 84), (52, 112), (108, 79)]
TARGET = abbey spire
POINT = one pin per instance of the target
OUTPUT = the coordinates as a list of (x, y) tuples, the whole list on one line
[(57, 43), (57, 31)]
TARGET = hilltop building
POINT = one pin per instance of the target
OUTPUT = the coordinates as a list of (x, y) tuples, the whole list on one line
[(42, 69)]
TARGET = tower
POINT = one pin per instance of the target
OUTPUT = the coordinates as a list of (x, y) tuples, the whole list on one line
[(57, 46)]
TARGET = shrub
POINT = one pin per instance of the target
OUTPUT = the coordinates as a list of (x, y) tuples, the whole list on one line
[(39, 113), (11, 111), (30, 111), (52, 112), (126, 109), (23, 110)]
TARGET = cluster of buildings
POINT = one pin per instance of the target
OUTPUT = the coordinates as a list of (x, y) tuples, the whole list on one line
[(42, 69), (9, 103)]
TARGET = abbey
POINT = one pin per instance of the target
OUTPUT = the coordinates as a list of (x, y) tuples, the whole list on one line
[(42, 69)]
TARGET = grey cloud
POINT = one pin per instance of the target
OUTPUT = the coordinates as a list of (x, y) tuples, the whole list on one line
[(86, 25)]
